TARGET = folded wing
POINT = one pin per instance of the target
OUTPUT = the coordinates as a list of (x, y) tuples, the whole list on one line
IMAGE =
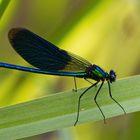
[(43, 54)]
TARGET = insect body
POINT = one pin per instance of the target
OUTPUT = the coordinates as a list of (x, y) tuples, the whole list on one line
[(49, 59)]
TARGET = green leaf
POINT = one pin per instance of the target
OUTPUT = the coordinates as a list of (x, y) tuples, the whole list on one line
[(60, 110), (3, 6)]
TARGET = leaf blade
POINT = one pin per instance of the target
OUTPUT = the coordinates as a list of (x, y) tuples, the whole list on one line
[(59, 110)]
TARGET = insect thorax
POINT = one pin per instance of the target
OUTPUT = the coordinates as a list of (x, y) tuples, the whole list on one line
[(96, 73)]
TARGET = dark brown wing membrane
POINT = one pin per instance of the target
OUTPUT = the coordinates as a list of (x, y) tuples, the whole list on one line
[(43, 54)]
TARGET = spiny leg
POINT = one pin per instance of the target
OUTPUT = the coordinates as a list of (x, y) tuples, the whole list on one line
[(88, 81), (110, 94), (97, 103), (80, 100), (75, 85)]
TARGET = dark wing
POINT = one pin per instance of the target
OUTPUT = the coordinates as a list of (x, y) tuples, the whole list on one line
[(43, 54)]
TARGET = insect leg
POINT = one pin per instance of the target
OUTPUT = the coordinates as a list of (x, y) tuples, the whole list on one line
[(110, 94), (97, 103), (75, 85), (79, 100), (88, 81)]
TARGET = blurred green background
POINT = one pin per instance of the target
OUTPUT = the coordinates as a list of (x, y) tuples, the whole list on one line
[(104, 32)]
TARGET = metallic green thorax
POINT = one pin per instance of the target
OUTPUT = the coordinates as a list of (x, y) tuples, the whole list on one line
[(96, 73)]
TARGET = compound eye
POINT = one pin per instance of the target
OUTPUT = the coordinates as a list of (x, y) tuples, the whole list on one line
[(112, 76)]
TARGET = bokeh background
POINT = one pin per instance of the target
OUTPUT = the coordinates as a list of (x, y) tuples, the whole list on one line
[(106, 33)]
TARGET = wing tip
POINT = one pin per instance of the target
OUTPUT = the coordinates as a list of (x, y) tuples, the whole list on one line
[(13, 33)]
